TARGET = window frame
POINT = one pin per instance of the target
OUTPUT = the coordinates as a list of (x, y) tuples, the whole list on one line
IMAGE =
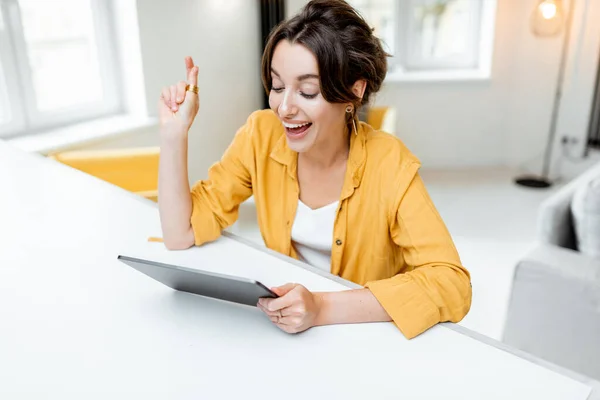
[(9, 89), (411, 62), (481, 69), (29, 119), (400, 69)]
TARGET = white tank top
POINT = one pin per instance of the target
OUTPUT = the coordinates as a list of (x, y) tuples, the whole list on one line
[(312, 234)]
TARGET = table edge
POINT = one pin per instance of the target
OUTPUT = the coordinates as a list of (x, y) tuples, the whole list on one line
[(593, 384)]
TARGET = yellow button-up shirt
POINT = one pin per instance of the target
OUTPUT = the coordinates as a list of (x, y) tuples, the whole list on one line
[(387, 234)]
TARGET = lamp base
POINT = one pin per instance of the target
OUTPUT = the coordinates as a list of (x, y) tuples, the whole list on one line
[(533, 182)]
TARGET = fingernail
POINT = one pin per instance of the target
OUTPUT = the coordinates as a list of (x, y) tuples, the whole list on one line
[(179, 99), (174, 108)]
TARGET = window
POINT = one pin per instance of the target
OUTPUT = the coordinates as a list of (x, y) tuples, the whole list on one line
[(434, 36), (380, 14), (57, 64), (4, 109)]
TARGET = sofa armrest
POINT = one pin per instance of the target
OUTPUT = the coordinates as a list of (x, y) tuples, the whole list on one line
[(554, 220), (554, 310), (569, 264)]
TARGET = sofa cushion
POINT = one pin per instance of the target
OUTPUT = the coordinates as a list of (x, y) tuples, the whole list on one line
[(586, 217)]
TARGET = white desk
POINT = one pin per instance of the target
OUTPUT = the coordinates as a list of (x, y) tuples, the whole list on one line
[(78, 324)]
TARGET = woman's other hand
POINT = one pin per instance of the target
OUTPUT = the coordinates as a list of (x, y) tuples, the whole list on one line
[(296, 309)]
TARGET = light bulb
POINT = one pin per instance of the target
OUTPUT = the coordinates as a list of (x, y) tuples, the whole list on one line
[(548, 18), (548, 9)]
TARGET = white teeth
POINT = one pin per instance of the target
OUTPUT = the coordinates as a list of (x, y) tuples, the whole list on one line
[(295, 125)]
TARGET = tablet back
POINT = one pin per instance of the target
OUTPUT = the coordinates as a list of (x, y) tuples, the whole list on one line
[(210, 284)]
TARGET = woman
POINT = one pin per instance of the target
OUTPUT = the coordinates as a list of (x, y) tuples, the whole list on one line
[(329, 190)]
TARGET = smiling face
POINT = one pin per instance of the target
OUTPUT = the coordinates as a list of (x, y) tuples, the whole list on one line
[(310, 121)]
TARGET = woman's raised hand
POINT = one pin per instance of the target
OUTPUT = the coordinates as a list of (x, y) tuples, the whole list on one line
[(179, 103)]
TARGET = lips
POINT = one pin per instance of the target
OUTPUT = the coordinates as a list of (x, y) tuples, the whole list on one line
[(297, 132)]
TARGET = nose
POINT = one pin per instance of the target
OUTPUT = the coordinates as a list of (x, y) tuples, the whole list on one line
[(287, 107)]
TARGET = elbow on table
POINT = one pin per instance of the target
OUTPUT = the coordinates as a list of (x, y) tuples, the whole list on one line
[(182, 242), (465, 292)]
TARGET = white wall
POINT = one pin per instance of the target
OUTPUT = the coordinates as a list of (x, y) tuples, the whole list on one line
[(293, 6), (223, 38), (535, 74), (503, 121), (450, 124), (578, 89)]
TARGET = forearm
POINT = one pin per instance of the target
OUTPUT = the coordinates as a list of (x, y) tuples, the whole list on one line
[(174, 198), (351, 306)]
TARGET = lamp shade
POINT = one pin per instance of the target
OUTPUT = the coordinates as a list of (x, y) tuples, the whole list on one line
[(548, 18)]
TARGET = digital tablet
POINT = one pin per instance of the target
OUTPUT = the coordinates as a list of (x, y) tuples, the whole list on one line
[(204, 283)]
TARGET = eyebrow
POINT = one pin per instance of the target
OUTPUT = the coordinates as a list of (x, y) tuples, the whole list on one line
[(300, 78)]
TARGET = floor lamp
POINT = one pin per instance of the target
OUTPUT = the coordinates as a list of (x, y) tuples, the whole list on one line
[(548, 19)]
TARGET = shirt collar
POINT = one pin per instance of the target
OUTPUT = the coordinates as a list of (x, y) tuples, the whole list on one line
[(356, 159)]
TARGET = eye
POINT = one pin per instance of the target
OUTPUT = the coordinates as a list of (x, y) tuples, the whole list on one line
[(277, 89), (309, 96)]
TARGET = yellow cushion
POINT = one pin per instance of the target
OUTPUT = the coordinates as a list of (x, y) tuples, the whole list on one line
[(133, 169), (375, 116)]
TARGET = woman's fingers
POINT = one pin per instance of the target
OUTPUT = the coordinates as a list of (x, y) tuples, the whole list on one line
[(286, 322), (273, 315), (166, 96), (269, 313), (280, 317), (181, 91), (189, 64), (193, 77), (174, 99), (285, 289), (173, 90), (191, 71), (290, 321)]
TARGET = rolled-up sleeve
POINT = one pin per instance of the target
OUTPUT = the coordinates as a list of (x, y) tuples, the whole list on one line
[(216, 200), (435, 287)]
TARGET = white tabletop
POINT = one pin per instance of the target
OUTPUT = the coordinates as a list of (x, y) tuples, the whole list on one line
[(76, 323)]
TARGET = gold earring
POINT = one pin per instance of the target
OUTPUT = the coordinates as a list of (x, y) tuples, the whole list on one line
[(349, 110)]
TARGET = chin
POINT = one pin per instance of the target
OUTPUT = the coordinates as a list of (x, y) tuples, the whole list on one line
[(297, 147), (300, 146)]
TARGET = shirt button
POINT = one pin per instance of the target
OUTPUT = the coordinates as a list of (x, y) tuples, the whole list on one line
[(338, 242)]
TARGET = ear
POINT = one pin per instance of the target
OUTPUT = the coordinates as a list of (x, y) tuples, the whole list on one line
[(359, 88)]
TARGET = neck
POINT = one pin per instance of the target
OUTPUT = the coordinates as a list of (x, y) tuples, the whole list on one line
[(329, 153)]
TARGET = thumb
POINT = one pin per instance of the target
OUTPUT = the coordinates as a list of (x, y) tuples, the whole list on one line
[(282, 290)]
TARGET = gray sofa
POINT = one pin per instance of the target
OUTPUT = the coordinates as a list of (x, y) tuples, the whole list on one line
[(554, 310)]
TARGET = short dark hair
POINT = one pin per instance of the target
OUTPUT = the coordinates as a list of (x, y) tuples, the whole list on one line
[(343, 44)]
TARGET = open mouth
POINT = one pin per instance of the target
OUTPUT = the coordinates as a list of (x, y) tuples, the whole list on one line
[(297, 131)]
